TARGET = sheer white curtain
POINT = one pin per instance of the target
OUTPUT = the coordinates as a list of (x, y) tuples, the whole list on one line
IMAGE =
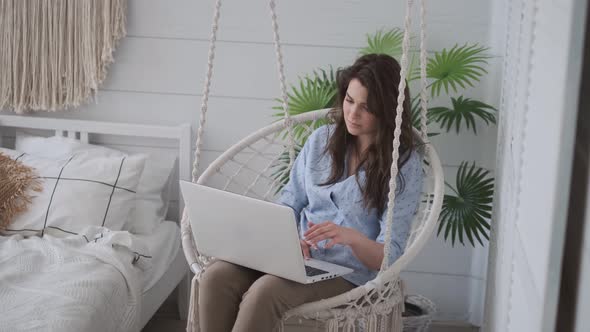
[(535, 138)]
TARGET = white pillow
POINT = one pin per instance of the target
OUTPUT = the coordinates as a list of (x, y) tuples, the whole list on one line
[(153, 192), (78, 192)]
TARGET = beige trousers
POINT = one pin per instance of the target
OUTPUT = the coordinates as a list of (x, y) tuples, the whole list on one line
[(238, 299)]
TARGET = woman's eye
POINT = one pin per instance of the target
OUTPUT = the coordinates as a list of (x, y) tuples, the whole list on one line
[(348, 100)]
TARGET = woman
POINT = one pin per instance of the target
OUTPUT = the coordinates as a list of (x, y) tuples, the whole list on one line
[(338, 190)]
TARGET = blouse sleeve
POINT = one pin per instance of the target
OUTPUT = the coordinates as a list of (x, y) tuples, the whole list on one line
[(406, 204), (293, 193)]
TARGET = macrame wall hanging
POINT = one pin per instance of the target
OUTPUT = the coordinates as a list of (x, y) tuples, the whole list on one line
[(54, 54)]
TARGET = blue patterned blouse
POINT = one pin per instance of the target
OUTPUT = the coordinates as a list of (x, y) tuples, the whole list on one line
[(342, 203)]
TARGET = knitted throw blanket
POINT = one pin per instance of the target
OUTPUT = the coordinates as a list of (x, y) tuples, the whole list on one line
[(54, 54), (17, 183)]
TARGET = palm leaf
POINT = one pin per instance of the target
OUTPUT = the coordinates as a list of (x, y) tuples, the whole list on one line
[(467, 213), (385, 42), (414, 68), (459, 66), (314, 92), (390, 43), (280, 168), (463, 110)]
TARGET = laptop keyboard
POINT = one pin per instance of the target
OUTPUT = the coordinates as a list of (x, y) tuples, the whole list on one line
[(312, 271)]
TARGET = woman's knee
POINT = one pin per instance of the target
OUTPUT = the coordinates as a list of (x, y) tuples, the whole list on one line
[(218, 274), (267, 289)]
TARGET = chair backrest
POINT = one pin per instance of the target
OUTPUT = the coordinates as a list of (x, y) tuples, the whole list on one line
[(257, 166)]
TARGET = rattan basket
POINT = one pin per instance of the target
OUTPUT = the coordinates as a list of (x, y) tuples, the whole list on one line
[(418, 314)]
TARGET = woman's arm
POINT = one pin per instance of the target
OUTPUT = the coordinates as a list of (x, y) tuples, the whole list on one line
[(368, 252)]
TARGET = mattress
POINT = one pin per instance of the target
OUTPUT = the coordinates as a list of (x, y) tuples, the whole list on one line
[(164, 245), (169, 269)]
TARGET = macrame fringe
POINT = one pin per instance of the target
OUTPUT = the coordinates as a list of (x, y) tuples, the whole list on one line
[(332, 325), (192, 324), (54, 54), (390, 321), (397, 323), (373, 322)]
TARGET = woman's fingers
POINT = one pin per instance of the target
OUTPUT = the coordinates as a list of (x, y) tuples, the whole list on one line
[(311, 225), (311, 244), (305, 249), (315, 233), (314, 228), (320, 236)]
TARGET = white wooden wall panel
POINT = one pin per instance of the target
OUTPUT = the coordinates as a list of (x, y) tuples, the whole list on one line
[(334, 23), (243, 70), (476, 298), (436, 251), (154, 108), (449, 292)]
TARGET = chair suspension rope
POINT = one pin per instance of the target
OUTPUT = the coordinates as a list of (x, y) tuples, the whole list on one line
[(192, 255), (396, 136), (206, 88), (423, 82), (281, 69)]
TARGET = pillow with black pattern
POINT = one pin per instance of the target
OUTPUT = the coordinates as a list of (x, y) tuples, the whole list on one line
[(78, 191)]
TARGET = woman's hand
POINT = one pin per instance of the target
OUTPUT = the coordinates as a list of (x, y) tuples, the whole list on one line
[(305, 249), (329, 230), (369, 252)]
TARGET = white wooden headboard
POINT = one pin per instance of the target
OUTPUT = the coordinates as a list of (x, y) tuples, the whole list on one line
[(82, 129)]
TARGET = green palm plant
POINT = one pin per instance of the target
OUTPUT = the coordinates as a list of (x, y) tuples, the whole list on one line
[(387, 42), (390, 43), (463, 110), (314, 92), (459, 66), (465, 212), (449, 70), (280, 169)]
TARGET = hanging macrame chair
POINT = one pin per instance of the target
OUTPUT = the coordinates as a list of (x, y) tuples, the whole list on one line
[(250, 168)]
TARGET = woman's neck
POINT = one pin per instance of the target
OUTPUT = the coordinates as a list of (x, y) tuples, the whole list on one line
[(356, 154), (362, 144)]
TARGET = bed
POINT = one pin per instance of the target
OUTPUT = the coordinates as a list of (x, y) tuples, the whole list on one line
[(94, 278)]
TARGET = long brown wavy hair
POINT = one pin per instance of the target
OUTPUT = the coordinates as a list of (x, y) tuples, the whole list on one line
[(380, 75)]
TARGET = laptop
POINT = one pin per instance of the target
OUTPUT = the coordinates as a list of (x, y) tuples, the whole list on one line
[(253, 233)]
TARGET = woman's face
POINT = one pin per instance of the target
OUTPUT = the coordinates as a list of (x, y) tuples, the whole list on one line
[(359, 121)]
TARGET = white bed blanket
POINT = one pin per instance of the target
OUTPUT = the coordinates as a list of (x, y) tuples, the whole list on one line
[(88, 282)]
